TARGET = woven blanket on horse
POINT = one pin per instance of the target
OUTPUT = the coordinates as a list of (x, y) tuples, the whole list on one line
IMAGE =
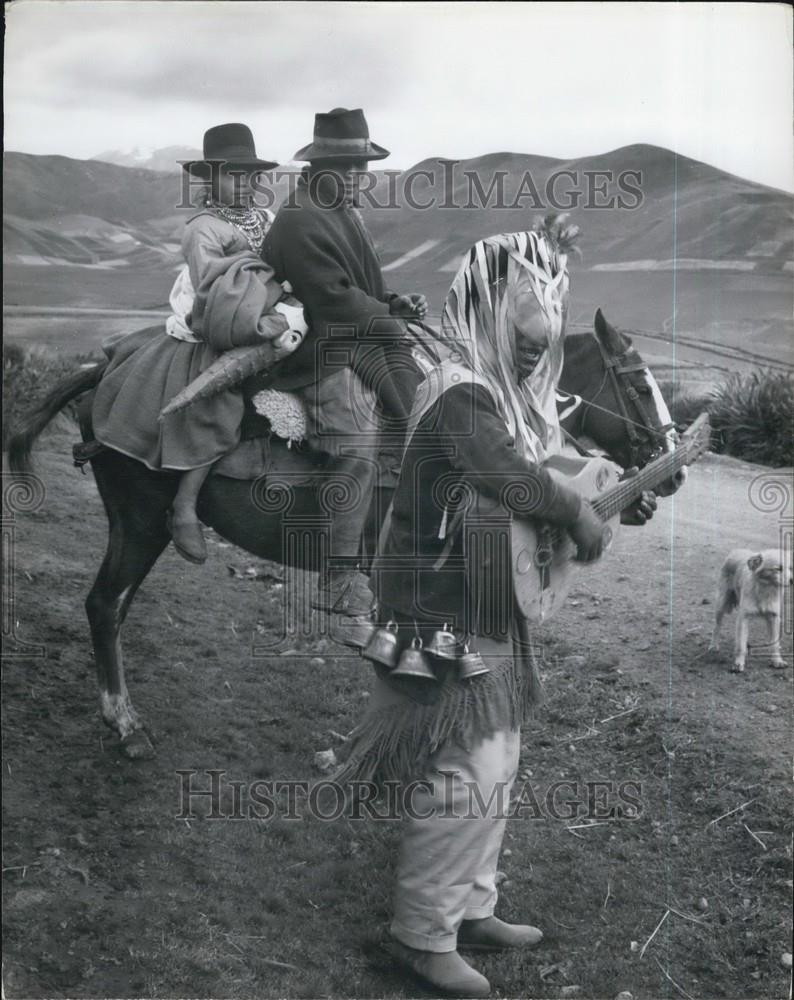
[(273, 430), (272, 413)]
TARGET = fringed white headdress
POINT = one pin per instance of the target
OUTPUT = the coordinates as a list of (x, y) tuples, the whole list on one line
[(478, 326)]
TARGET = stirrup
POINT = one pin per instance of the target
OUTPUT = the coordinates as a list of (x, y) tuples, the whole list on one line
[(84, 451)]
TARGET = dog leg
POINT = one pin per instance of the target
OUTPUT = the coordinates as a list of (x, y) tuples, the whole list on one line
[(773, 633), (740, 649), (723, 607), (714, 644)]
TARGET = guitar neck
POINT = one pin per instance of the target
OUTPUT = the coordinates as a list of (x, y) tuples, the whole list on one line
[(625, 493)]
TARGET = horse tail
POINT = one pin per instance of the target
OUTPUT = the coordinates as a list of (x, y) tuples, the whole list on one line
[(21, 441)]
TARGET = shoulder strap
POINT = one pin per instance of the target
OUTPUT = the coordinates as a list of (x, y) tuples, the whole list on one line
[(576, 444)]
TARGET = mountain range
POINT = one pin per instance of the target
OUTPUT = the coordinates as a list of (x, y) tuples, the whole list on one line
[(148, 158), (667, 242)]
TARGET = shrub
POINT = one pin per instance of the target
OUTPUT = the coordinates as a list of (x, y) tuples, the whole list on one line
[(684, 405), (752, 417)]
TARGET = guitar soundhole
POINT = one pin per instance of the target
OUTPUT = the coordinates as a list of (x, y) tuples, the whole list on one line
[(524, 561)]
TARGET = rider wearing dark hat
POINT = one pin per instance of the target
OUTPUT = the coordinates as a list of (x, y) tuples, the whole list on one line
[(354, 347), (225, 297)]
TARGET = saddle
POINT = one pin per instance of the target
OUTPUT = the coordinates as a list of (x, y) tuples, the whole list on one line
[(272, 432)]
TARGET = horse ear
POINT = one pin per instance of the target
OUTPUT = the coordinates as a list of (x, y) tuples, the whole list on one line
[(611, 338), (599, 323)]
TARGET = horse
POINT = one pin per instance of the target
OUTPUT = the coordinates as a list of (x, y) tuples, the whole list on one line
[(280, 516)]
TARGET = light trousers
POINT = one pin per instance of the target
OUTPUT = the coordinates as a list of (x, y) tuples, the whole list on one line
[(452, 832)]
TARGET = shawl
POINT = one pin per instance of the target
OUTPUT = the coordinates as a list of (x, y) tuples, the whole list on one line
[(234, 303)]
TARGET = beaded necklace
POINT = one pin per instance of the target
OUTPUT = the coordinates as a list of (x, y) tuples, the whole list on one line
[(247, 220)]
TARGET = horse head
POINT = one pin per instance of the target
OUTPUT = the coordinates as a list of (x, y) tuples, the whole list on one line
[(623, 408)]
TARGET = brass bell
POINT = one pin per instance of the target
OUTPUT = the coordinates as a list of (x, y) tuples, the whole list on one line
[(471, 664), (382, 647), (414, 663), (444, 645)]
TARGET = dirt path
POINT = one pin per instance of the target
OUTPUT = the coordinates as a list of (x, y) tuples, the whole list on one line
[(107, 893), (651, 602)]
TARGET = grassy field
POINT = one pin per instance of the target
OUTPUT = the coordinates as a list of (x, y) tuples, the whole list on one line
[(694, 328), (109, 893)]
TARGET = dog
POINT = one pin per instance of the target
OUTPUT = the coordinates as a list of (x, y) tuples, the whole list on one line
[(753, 584)]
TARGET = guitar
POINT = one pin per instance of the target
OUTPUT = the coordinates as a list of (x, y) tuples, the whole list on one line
[(543, 560)]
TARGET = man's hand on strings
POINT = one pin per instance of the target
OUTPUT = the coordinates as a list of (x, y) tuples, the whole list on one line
[(642, 510), (588, 531)]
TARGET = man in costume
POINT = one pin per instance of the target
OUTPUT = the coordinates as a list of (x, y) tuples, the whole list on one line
[(352, 357), (484, 420)]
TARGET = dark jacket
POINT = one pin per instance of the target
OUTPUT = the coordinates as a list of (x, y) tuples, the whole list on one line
[(329, 259), (462, 442)]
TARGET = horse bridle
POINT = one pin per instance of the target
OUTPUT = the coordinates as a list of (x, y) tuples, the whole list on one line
[(615, 369)]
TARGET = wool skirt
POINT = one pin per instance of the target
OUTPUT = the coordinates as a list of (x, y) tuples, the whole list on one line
[(146, 370)]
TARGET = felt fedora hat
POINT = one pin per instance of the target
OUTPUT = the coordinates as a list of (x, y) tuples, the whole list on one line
[(230, 145), (341, 134)]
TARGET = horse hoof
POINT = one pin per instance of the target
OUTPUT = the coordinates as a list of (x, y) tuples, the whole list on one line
[(138, 746)]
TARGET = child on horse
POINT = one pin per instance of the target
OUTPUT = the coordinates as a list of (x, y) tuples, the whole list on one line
[(226, 297)]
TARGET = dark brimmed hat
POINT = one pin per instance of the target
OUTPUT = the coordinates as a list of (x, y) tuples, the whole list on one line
[(230, 145), (341, 135)]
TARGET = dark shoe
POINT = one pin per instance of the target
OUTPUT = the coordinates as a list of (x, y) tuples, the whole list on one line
[(345, 593), (493, 934), (188, 539), (351, 604), (445, 970)]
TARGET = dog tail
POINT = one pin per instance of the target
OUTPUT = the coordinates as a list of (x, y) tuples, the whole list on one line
[(727, 598)]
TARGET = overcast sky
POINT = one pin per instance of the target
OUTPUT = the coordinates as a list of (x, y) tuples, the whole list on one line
[(712, 81)]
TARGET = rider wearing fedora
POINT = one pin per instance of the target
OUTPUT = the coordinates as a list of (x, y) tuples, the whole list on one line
[(354, 356)]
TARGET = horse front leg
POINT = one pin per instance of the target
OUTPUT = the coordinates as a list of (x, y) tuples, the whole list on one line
[(130, 555)]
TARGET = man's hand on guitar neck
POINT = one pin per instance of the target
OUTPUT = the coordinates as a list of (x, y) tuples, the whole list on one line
[(588, 532), (643, 508)]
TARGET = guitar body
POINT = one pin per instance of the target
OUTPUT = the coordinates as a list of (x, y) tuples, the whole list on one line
[(544, 566)]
